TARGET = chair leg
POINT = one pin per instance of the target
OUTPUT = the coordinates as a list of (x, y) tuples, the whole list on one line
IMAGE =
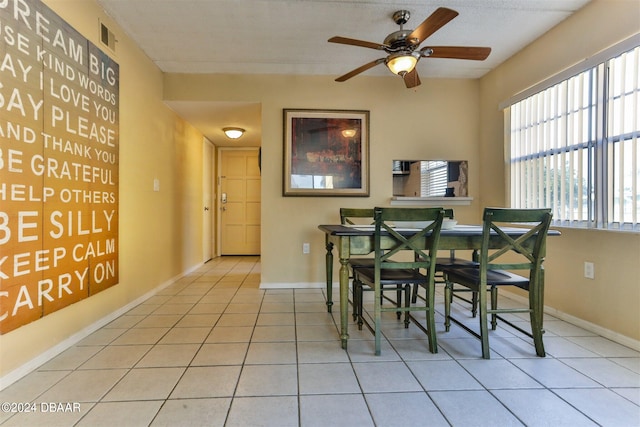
[(536, 304), (399, 301), (377, 313), (360, 308), (494, 306), (407, 303), (355, 299), (431, 319), (484, 329), (474, 304), (448, 295)]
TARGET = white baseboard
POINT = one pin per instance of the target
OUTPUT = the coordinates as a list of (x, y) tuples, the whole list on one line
[(591, 327), (52, 352)]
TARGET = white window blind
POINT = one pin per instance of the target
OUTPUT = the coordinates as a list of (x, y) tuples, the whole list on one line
[(574, 146), (433, 178), (623, 124)]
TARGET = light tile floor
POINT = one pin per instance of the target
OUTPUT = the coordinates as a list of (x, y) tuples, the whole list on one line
[(213, 349)]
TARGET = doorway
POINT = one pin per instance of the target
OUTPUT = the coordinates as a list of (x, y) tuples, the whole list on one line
[(239, 201), (208, 198)]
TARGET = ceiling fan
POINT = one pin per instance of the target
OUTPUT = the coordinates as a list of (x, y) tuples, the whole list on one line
[(402, 47)]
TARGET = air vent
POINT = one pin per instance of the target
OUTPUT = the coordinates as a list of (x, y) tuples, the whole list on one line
[(107, 37)]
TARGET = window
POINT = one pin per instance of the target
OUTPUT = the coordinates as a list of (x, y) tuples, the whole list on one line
[(433, 178), (574, 147)]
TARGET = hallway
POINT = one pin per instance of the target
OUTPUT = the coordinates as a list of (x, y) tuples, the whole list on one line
[(213, 349)]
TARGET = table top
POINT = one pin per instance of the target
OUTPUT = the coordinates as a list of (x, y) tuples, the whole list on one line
[(458, 230)]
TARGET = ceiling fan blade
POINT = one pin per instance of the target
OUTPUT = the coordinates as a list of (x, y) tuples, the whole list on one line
[(360, 69), (433, 23), (457, 52), (354, 42), (411, 79)]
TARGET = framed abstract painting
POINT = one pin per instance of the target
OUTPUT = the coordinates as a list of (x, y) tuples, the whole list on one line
[(326, 153)]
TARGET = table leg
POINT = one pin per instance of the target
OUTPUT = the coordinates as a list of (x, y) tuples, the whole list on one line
[(344, 301), (329, 266)]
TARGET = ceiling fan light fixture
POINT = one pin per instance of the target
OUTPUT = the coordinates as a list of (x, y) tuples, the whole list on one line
[(401, 63), (233, 133), (403, 47)]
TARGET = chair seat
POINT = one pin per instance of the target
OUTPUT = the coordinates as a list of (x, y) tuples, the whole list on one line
[(362, 262), (394, 276), (494, 277), (448, 262)]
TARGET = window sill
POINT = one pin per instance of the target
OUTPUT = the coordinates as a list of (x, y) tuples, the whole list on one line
[(430, 201)]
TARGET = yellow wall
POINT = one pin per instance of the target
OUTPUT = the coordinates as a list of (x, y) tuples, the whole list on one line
[(160, 232), (612, 300)]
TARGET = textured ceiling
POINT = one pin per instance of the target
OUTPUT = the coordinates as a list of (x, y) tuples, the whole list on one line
[(290, 36)]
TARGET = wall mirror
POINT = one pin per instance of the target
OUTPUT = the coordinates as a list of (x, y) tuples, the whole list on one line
[(430, 178)]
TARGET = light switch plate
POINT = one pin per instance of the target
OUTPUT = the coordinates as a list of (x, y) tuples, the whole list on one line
[(589, 270)]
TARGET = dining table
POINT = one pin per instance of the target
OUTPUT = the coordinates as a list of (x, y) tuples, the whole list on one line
[(359, 240)]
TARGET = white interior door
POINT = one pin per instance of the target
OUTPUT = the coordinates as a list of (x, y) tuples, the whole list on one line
[(239, 201), (208, 197)]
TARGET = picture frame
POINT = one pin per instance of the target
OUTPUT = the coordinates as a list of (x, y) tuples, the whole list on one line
[(326, 153)]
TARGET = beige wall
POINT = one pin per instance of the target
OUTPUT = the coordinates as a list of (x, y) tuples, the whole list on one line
[(437, 121), (612, 300), (160, 232)]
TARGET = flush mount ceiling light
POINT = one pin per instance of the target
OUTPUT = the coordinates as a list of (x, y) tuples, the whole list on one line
[(233, 133)]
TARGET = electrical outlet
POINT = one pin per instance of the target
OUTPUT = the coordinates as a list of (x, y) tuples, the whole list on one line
[(156, 184), (306, 248), (589, 270)]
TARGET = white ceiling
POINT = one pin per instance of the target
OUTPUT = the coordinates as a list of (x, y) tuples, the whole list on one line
[(290, 37)]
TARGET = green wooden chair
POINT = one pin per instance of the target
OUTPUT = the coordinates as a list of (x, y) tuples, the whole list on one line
[(355, 216), (418, 267), (452, 261), (525, 252), (364, 216)]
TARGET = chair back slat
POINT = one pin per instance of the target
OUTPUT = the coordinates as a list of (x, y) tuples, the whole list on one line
[(390, 241), (530, 246), (347, 215)]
